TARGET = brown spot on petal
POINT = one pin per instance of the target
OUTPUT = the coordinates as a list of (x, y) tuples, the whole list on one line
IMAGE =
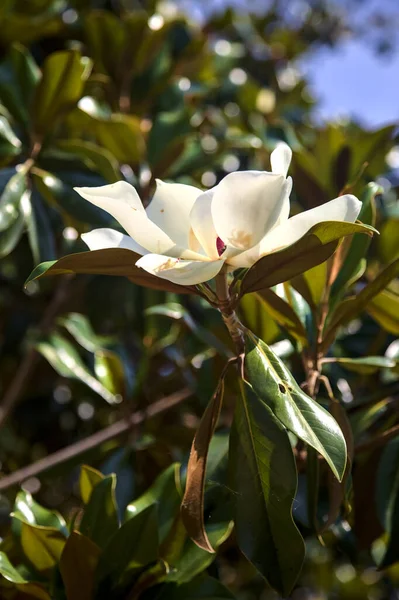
[(162, 210), (241, 239), (169, 264)]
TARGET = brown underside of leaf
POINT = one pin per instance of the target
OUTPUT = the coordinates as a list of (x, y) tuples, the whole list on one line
[(192, 507)]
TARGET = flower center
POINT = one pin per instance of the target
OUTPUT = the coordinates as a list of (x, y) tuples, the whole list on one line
[(220, 246)]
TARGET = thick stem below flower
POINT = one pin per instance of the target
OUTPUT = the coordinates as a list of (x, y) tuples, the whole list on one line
[(232, 322)]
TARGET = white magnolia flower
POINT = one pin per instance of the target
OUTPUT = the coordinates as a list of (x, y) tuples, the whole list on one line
[(186, 235)]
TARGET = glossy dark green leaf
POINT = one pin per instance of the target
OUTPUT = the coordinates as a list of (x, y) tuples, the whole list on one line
[(165, 493), (19, 76), (264, 479), (111, 261), (78, 563), (253, 314), (65, 359), (384, 308), (60, 88), (202, 587), (387, 497), (100, 517), (312, 249), (359, 245), (352, 307), (276, 386), (132, 547)]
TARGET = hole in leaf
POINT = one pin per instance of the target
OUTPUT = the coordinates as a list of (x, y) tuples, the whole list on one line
[(282, 388)]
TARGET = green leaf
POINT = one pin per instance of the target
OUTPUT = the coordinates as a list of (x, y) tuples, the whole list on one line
[(61, 195), (167, 130), (202, 587), (42, 546), (10, 144), (192, 507), (387, 497), (97, 158), (111, 261), (384, 308), (132, 547), (31, 589), (88, 480), (264, 479), (283, 314), (352, 307), (100, 518), (166, 494), (313, 248), (12, 207), (253, 314), (78, 563), (65, 359), (60, 88), (366, 365), (19, 75), (27, 509), (276, 386), (359, 245), (388, 242), (39, 227)]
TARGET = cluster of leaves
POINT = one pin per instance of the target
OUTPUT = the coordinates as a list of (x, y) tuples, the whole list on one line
[(89, 96)]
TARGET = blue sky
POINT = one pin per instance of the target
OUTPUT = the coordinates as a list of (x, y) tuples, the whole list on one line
[(349, 80)]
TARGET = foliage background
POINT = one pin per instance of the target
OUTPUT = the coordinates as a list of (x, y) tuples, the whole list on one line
[(92, 92)]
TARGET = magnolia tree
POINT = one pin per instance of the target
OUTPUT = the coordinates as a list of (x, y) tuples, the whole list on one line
[(221, 244)]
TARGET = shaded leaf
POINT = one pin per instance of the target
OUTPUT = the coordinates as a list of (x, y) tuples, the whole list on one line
[(384, 308), (275, 385), (33, 590), (78, 562), (350, 308), (283, 314), (263, 476), (100, 518), (312, 249), (60, 88), (132, 547), (96, 157), (366, 365), (19, 75), (10, 144), (202, 587), (165, 493), (387, 491)]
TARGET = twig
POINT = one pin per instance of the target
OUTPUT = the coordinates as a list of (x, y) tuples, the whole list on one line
[(98, 438), (28, 363)]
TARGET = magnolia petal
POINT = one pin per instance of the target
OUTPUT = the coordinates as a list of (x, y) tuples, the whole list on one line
[(182, 272), (122, 202), (202, 224), (170, 209), (285, 201), (343, 208), (245, 206), (110, 238), (280, 159)]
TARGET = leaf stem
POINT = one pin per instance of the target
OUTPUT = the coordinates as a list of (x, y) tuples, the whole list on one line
[(229, 316)]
